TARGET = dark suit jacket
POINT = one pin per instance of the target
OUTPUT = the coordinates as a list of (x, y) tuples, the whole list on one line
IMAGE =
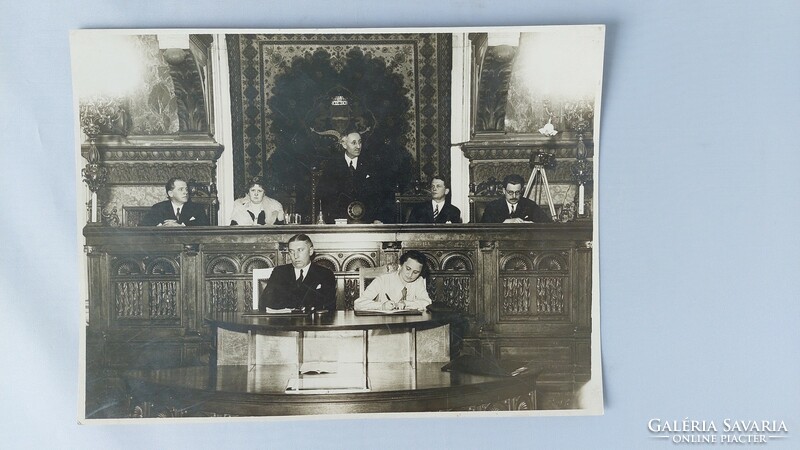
[(318, 289), (338, 188), (497, 211), (423, 213), (192, 214)]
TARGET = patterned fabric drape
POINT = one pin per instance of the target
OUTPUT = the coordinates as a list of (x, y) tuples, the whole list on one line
[(397, 85)]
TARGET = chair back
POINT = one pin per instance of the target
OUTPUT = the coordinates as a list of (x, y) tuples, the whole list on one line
[(260, 278), (367, 274)]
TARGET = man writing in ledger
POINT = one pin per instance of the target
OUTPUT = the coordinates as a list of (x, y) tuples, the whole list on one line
[(438, 210), (349, 178), (299, 284), (513, 207), (177, 210), (404, 289)]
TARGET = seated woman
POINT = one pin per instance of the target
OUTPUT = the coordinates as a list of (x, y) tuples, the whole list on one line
[(255, 208), (403, 289)]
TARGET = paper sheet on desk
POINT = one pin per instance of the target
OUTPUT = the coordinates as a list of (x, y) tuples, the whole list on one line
[(280, 311)]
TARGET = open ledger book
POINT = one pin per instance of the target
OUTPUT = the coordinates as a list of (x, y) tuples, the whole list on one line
[(397, 312)]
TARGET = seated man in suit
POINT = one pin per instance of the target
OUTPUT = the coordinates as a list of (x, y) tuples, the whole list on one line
[(438, 210), (350, 178), (177, 210), (404, 289), (300, 285), (513, 207)]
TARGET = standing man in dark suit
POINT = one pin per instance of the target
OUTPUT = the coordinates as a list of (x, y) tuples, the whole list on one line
[(300, 284), (347, 179), (177, 210), (513, 207), (438, 210)]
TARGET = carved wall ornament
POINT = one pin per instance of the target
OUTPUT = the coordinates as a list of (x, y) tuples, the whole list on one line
[(549, 262), (128, 299), (126, 267), (516, 262), (357, 261), (223, 296), (221, 265), (515, 295), (351, 292), (110, 217), (191, 249), (327, 262), (257, 262), (457, 262), (455, 292), (158, 173), (161, 266), (163, 299), (550, 295)]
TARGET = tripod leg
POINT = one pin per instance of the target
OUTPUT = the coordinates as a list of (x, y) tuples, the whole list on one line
[(531, 181), (549, 197)]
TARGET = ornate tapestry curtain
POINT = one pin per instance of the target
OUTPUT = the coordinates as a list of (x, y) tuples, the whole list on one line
[(283, 86)]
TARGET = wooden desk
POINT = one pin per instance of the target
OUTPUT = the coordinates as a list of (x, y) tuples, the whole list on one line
[(240, 391), (259, 387), (524, 290)]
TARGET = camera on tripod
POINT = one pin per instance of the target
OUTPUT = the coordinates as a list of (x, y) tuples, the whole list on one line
[(543, 159)]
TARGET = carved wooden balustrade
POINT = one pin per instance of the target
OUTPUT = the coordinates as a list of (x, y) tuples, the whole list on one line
[(525, 290)]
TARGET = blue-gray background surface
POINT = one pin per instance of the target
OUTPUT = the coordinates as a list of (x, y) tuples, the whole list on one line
[(699, 196)]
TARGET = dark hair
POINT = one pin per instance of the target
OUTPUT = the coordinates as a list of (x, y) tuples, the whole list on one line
[(254, 181), (444, 180), (170, 184), (301, 238), (513, 179), (419, 257)]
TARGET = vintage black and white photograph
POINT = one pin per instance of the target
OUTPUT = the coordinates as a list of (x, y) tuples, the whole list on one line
[(327, 222)]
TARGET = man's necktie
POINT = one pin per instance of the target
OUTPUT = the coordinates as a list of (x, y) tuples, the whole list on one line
[(435, 213), (352, 168), (300, 278), (513, 208), (178, 214)]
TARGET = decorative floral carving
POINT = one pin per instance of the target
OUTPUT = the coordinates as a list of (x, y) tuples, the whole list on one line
[(163, 295), (351, 292), (223, 296), (455, 293), (128, 299), (222, 265), (257, 262), (516, 294), (550, 295)]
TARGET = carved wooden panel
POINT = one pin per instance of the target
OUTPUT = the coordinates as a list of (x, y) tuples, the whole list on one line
[(550, 295), (129, 299), (534, 284), (223, 296), (351, 292), (452, 274), (145, 287), (163, 299), (515, 296)]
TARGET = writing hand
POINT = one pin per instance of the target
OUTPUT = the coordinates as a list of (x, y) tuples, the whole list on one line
[(388, 305)]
